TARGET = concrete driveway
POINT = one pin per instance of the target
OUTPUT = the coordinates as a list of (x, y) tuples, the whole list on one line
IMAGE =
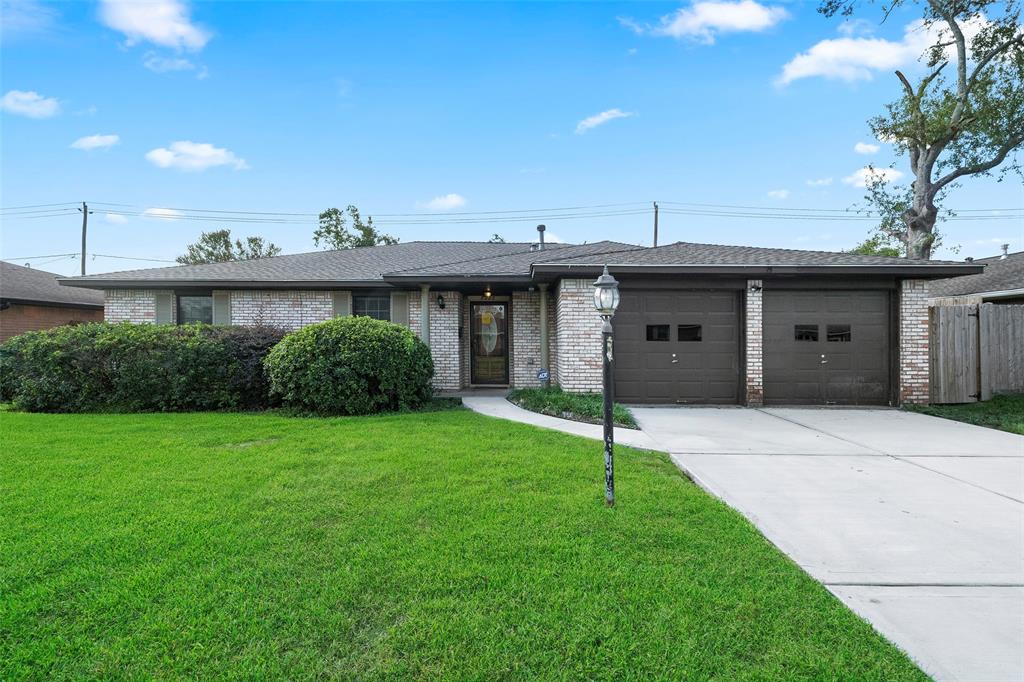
[(915, 522)]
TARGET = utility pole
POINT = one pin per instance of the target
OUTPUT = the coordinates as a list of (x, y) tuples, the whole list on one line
[(85, 227), (655, 222)]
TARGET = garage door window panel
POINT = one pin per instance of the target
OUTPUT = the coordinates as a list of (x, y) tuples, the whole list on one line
[(657, 332), (839, 333), (805, 332), (687, 333)]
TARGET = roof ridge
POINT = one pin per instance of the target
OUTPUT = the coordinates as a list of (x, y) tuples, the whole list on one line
[(470, 260)]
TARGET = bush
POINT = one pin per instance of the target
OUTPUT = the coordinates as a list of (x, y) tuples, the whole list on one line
[(135, 368), (352, 365)]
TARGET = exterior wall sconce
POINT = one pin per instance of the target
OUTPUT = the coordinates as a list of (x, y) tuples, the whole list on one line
[(755, 287), (440, 301), (487, 292)]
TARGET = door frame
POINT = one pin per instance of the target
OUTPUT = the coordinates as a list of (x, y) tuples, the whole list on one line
[(507, 303)]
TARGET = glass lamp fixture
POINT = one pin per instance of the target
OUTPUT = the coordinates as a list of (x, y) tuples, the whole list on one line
[(606, 294), (487, 292)]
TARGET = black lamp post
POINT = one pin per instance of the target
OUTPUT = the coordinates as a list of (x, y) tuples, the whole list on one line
[(606, 300)]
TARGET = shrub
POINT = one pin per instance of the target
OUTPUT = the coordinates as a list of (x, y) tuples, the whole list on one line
[(581, 407), (135, 368), (352, 365)]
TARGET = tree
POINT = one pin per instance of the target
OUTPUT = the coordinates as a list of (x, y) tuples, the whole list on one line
[(334, 232), (950, 128), (496, 239), (217, 247), (879, 245)]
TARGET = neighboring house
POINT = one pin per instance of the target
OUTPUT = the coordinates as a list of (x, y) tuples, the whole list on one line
[(31, 299), (698, 323), (1001, 282)]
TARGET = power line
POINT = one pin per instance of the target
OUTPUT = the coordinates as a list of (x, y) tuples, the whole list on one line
[(154, 260)]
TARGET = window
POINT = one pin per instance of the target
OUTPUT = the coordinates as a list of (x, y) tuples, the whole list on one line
[(838, 333), (689, 332), (195, 309), (657, 332), (805, 332), (376, 306)]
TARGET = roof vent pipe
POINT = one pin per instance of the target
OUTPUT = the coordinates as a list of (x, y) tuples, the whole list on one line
[(1006, 250), (540, 231)]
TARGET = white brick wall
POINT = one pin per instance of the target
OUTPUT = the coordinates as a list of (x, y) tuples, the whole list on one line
[(578, 337), (444, 336), (526, 338), (287, 309), (914, 367), (131, 305), (754, 345)]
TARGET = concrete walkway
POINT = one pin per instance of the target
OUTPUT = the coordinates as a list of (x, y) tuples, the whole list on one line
[(915, 522)]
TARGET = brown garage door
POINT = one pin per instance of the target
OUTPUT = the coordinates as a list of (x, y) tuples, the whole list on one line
[(677, 346), (826, 347)]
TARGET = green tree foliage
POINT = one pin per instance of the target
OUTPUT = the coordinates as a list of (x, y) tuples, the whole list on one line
[(217, 247), (963, 118), (496, 239), (879, 245), (334, 231)]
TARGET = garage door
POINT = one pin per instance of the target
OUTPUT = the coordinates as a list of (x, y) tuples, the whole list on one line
[(677, 346), (826, 347)]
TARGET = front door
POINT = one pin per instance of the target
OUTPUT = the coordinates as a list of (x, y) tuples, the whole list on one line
[(488, 355)]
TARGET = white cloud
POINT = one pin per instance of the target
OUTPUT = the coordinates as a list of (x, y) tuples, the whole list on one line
[(819, 182), (25, 17), (703, 21), (866, 148), (861, 176), (445, 202), (600, 119), (162, 22), (29, 103), (95, 142), (857, 58), (194, 156), (116, 219), (162, 213), (159, 64), (779, 194)]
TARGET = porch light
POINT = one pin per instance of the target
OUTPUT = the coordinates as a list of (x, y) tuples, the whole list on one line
[(440, 301), (606, 294), (487, 292)]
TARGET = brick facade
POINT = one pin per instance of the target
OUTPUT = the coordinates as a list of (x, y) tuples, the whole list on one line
[(131, 305), (286, 309), (526, 338), (20, 318), (578, 337), (753, 347), (445, 346), (913, 354)]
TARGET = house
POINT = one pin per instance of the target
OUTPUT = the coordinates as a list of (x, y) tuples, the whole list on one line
[(31, 299), (1001, 282), (697, 323)]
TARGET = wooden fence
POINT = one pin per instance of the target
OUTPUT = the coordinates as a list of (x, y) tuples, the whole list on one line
[(976, 351)]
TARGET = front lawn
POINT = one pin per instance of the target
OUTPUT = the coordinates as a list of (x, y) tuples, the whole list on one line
[(431, 546), (1005, 412)]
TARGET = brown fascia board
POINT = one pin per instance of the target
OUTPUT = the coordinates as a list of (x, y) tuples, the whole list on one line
[(87, 283), (549, 271), (52, 304)]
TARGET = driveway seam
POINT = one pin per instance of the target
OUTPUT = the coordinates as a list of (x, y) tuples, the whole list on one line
[(908, 460), (824, 433)]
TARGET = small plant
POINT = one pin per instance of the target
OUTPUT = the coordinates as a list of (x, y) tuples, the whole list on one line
[(352, 365), (581, 407)]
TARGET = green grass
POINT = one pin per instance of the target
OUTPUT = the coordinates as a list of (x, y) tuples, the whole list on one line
[(581, 407), (433, 546), (1005, 412)]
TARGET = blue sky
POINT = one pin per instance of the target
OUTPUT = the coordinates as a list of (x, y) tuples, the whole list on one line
[(440, 108)]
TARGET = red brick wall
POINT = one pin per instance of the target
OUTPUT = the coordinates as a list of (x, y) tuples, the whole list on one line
[(24, 318)]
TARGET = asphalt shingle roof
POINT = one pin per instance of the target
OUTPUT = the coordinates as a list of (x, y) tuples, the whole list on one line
[(686, 253), (519, 263), (28, 284), (1001, 274), (361, 264)]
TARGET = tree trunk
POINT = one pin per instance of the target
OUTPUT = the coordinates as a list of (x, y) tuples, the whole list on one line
[(920, 232)]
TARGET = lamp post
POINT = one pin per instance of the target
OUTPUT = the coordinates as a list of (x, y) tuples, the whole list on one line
[(606, 300)]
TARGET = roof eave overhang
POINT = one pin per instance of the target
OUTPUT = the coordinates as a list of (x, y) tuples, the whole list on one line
[(98, 283), (542, 271), (52, 304), (458, 279)]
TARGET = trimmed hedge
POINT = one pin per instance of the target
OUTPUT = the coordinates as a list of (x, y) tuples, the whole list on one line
[(351, 365), (128, 367)]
